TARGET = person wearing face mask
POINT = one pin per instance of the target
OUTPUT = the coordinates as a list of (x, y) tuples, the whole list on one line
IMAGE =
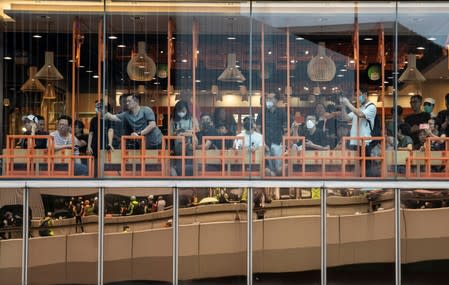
[(417, 118), (362, 118), (183, 124), (428, 106), (315, 138), (139, 121), (253, 140), (275, 126), (207, 129)]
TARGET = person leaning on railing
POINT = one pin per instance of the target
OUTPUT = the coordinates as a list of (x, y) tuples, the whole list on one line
[(140, 121)]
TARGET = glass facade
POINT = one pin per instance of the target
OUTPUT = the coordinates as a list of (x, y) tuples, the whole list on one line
[(237, 142)]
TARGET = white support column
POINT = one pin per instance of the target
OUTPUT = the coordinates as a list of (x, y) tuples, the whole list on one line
[(397, 234), (323, 234), (249, 235), (175, 227), (25, 235), (100, 257)]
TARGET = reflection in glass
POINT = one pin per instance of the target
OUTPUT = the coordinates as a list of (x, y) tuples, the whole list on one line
[(212, 235), (63, 244), (286, 235), (424, 236), (11, 231), (360, 235), (138, 235)]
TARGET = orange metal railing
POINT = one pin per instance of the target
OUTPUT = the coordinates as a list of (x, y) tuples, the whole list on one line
[(38, 163), (297, 162), (430, 163)]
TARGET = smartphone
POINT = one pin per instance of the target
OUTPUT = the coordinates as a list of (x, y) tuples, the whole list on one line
[(424, 126)]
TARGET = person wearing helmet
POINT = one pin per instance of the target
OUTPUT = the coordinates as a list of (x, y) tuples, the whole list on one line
[(132, 206)]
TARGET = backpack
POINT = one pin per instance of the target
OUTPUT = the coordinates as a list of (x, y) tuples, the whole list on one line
[(373, 149), (376, 130)]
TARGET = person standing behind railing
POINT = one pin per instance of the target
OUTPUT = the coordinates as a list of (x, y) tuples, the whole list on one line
[(92, 141), (315, 139), (140, 121), (207, 129), (275, 121), (253, 139), (226, 118), (362, 126), (362, 118), (183, 124), (417, 118), (63, 140), (34, 125)]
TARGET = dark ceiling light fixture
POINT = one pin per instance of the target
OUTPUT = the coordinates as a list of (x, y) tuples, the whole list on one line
[(231, 73), (411, 73)]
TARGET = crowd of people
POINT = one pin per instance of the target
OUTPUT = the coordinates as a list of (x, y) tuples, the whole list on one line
[(323, 129)]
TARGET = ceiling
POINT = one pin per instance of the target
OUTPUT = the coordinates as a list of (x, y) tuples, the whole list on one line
[(307, 27)]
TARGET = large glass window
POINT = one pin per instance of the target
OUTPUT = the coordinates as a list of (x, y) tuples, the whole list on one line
[(138, 235), (63, 243), (423, 256), (11, 234), (272, 90), (360, 235)]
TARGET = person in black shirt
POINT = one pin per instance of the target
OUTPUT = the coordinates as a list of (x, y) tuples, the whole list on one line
[(226, 118), (207, 129), (81, 136), (315, 138), (92, 142), (222, 130), (275, 122), (442, 120), (34, 125), (417, 118)]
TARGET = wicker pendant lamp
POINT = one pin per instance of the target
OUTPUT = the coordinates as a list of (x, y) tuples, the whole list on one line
[(49, 71), (141, 67), (32, 84), (321, 68)]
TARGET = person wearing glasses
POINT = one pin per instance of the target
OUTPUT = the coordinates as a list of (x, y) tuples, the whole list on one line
[(63, 140)]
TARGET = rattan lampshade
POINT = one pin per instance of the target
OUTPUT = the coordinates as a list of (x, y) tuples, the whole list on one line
[(32, 84), (321, 68), (141, 67), (49, 71)]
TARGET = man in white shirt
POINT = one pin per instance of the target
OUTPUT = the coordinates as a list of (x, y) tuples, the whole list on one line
[(360, 126), (63, 140), (252, 139)]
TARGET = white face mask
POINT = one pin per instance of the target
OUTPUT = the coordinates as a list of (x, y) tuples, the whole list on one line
[(269, 104), (182, 114), (310, 124)]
